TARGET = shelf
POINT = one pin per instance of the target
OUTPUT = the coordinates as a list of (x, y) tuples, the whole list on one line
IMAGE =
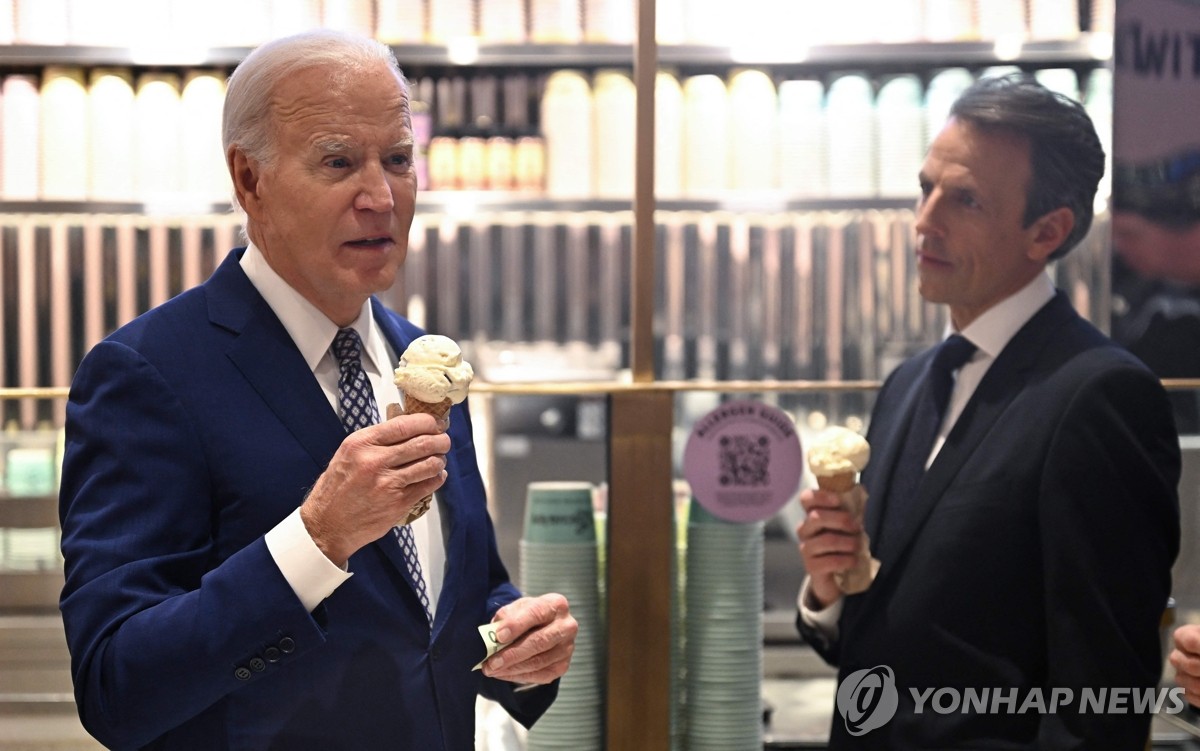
[(467, 203), (409, 55), (1086, 48)]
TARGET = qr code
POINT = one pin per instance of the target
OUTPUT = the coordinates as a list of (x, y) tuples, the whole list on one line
[(745, 460)]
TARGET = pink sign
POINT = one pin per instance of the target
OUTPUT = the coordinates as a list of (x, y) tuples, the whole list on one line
[(743, 461)]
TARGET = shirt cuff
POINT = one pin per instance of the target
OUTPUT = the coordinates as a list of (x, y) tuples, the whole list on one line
[(824, 621), (312, 576)]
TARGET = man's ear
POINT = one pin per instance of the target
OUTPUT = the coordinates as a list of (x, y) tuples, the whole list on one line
[(1049, 232), (245, 173)]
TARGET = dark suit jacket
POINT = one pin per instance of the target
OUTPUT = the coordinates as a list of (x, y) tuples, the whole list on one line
[(191, 432), (1038, 550)]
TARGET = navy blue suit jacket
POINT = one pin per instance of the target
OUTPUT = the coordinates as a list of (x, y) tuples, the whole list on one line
[(1037, 552), (191, 432)]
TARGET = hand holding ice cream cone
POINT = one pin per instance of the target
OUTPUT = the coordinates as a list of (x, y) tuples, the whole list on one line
[(836, 459), (432, 376)]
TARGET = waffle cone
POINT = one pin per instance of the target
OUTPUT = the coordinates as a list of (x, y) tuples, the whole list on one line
[(839, 483), (413, 406)]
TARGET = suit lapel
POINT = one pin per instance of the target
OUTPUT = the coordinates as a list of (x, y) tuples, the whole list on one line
[(891, 437), (1005, 379), (267, 357)]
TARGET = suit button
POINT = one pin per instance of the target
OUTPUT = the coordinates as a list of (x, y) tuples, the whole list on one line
[(242, 673), (272, 654), (287, 645), (258, 665)]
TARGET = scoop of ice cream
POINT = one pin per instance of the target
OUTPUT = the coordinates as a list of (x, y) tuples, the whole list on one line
[(838, 451), (432, 369)]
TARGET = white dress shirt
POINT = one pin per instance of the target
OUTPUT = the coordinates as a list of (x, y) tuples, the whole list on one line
[(311, 575), (990, 333)]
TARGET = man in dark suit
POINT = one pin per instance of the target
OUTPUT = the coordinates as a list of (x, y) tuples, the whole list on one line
[(1034, 552), (235, 577)]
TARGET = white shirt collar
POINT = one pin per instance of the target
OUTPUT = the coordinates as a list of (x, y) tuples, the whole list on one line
[(310, 329), (996, 326)]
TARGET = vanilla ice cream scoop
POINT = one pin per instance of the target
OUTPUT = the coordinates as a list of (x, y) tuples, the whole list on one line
[(432, 370), (839, 451)]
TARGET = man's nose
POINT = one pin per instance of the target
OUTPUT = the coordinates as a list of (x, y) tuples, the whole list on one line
[(375, 192), (927, 214)]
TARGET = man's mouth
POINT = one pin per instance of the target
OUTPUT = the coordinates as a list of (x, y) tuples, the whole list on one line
[(371, 242)]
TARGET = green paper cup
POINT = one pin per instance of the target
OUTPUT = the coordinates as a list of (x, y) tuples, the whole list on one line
[(559, 512), (697, 514)]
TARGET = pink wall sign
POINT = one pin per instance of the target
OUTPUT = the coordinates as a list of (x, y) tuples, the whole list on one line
[(743, 461)]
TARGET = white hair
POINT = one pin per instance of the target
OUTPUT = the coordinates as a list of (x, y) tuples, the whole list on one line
[(247, 120)]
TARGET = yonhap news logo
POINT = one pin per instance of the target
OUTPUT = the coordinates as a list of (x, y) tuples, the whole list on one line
[(868, 699)]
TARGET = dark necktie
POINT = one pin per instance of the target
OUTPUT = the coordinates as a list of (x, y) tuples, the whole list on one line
[(922, 431), (356, 404)]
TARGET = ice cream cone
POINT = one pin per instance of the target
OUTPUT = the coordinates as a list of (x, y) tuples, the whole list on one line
[(432, 376), (835, 460), (839, 483), (417, 407)]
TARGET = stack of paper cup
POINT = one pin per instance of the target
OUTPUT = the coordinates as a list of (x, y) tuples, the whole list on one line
[(901, 137), (558, 554), (615, 112), (850, 108), (157, 156), (502, 21), (753, 109), (354, 16), (724, 633), (949, 20), (555, 21), (111, 148), (64, 136), (567, 121), (668, 135), (944, 88), (803, 147), (1053, 19), (20, 121), (1060, 80), (205, 176), (706, 134), (1001, 19)]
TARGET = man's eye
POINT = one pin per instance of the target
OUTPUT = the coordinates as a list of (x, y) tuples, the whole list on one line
[(400, 160), (338, 162)]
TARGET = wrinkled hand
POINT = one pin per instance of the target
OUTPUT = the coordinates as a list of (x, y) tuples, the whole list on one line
[(374, 479), (829, 542), (1185, 658), (542, 634)]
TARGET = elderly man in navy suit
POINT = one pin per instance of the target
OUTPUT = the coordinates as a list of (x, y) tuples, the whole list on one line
[(235, 578)]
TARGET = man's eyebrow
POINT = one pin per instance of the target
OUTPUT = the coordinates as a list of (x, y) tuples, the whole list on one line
[(331, 145), (341, 146)]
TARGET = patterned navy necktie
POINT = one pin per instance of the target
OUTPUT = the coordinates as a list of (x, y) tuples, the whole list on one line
[(922, 431), (357, 407)]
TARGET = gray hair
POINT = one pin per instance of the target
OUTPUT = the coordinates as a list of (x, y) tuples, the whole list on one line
[(247, 120)]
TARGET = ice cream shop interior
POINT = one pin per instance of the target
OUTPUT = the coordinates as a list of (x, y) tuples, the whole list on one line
[(642, 221)]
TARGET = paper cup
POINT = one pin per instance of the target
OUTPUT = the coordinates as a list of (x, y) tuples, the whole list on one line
[(559, 512)]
